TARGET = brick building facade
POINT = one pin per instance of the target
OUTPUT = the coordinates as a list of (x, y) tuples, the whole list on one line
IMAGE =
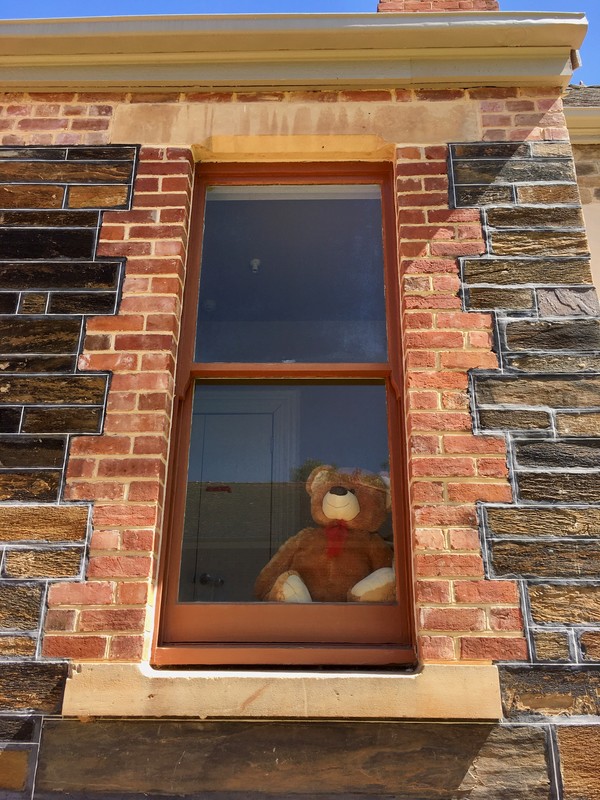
[(500, 338)]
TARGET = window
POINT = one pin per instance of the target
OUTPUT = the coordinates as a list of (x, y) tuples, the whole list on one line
[(289, 359)]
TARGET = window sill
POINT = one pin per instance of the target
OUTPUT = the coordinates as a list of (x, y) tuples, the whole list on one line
[(436, 691)]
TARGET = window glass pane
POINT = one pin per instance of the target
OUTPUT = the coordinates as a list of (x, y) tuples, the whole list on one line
[(252, 448), (292, 273)]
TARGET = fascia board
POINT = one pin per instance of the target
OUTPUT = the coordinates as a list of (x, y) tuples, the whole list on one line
[(305, 50), (583, 124)]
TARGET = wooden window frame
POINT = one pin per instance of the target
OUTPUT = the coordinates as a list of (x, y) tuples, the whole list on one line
[(379, 634)]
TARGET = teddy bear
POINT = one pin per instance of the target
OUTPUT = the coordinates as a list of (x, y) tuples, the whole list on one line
[(344, 558)]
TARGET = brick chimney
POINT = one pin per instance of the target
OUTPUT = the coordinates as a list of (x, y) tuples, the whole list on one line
[(438, 5)]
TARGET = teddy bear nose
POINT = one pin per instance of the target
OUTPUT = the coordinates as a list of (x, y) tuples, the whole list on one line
[(341, 490)]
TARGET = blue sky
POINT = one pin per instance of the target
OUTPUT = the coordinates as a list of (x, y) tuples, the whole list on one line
[(589, 74)]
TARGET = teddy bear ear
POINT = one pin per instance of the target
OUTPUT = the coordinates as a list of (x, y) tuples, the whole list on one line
[(318, 474)]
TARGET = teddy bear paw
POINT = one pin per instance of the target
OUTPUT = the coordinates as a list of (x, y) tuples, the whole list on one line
[(378, 587), (289, 588)]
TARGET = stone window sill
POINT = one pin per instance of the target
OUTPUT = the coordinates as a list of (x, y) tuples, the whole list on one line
[(435, 691)]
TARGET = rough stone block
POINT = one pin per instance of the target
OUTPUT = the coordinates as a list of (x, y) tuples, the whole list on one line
[(552, 362), (20, 606), (513, 171), (21, 335), (560, 487), (62, 420), (43, 563), (578, 424), (99, 153), (292, 760), (49, 219), (65, 172), (557, 392), (45, 243), (33, 303), (29, 487), (18, 451), (514, 420), (538, 243), (98, 196), (571, 453), (590, 645), (565, 604), (559, 301), (14, 766), (467, 196), (10, 419), (579, 747), (548, 193), (17, 729), (551, 646), (527, 335), (32, 686), (523, 217), (82, 303), (17, 646), (27, 196), (492, 150), (60, 275), (486, 298), (544, 521), (513, 272), (43, 523), (549, 691), (545, 560), (53, 390), (62, 363)]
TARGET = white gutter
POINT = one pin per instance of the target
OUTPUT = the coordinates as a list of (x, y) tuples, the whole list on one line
[(583, 123), (291, 51)]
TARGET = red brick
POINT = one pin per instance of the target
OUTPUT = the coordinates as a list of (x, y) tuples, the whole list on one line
[(486, 592), (455, 401), (460, 515), (464, 539), (448, 565), (27, 124), (428, 265), (92, 593), (77, 647), (438, 380), (429, 539), (137, 423), (443, 467), (506, 619), (155, 401), (424, 444), (473, 492), (138, 540), (474, 444), (452, 619), (440, 94), (440, 421), (145, 341), (493, 93), (150, 445), (434, 648), (109, 361), (469, 360), (140, 516), (365, 94), (59, 620), (95, 124), (121, 401), (101, 445), (81, 468), (130, 467), (434, 339), (420, 359), (492, 467), (123, 249), (105, 540), (126, 648), (119, 323), (423, 399), (427, 492), (493, 648), (132, 594), (114, 619), (433, 591), (95, 491)]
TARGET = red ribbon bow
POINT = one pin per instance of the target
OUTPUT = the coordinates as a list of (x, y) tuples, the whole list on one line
[(336, 533)]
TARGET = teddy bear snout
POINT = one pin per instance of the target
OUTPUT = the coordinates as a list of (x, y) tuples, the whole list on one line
[(340, 503)]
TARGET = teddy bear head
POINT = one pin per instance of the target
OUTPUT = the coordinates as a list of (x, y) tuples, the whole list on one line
[(361, 499)]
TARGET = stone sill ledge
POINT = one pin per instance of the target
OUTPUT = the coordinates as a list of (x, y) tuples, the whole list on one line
[(436, 691)]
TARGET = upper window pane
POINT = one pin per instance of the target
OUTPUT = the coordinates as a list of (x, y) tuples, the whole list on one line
[(292, 274)]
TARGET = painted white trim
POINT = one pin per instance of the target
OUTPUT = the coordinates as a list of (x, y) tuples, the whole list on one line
[(435, 691), (291, 51), (583, 124)]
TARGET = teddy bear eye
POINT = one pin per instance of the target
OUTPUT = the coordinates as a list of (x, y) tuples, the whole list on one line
[(352, 491)]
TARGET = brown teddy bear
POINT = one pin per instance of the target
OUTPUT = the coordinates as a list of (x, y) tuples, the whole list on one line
[(342, 559)]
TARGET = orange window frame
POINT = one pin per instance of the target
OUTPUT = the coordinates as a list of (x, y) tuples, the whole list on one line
[(271, 633)]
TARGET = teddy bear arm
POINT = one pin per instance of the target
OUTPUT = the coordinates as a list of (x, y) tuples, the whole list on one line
[(279, 563), (380, 553)]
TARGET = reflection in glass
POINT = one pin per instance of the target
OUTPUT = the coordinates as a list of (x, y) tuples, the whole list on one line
[(252, 448), (292, 273)]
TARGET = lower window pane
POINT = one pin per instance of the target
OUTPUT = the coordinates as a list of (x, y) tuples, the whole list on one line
[(252, 449)]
